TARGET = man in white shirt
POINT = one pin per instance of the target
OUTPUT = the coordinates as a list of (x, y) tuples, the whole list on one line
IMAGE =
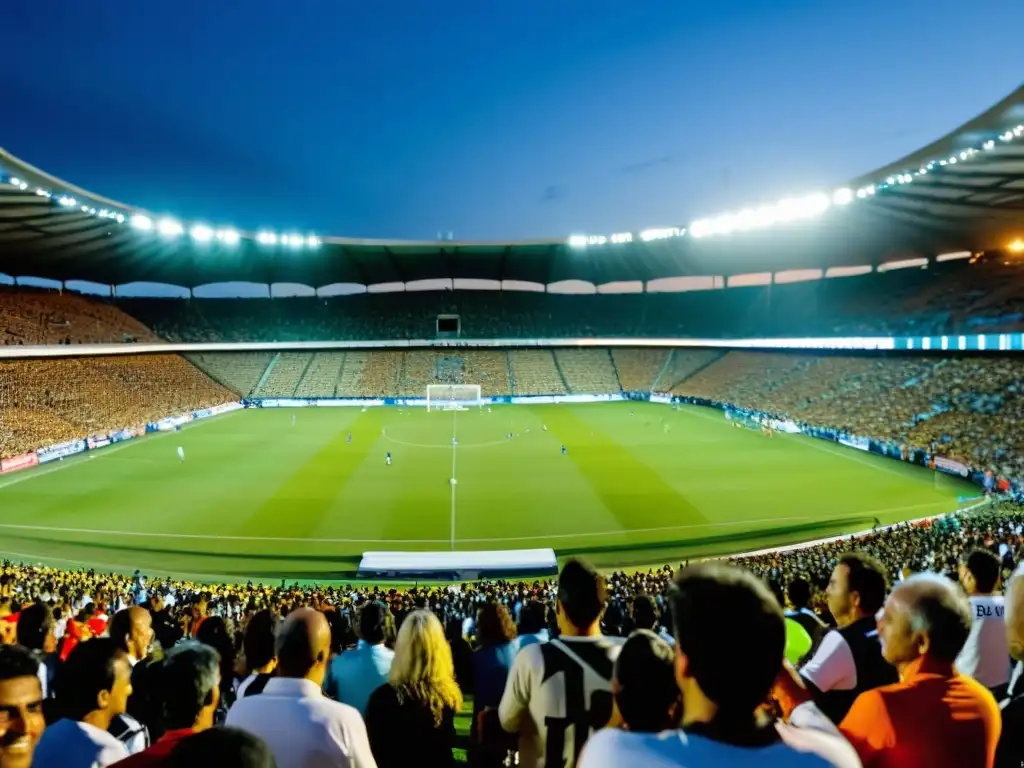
[(559, 692), (302, 726), (986, 655), (730, 639), (93, 687), (849, 659)]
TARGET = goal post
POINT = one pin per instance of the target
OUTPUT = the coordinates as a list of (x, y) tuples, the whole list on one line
[(452, 397)]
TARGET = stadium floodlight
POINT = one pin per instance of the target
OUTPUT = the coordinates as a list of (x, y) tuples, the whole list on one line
[(66, 202), (119, 217), (294, 241), (842, 196), (201, 233), (577, 241), (313, 241), (44, 193), (988, 145), (266, 238), (622, 237), (228, 236), (170, 228), (141, 222), (14, 181), (1017, 246)]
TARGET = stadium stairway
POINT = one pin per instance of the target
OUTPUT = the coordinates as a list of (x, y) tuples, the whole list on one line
[(615, 370), (561, 373), (511, 375), (266, 374), (240, 372), (686, 363)]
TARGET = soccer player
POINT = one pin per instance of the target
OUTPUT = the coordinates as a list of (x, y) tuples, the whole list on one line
[(455, 441), (544, 427), (350, 438), (508, 436), (293, 419), (564, 451), (181, 454), (387, 459)]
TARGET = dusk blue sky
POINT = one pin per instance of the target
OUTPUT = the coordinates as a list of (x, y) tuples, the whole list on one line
[(487, 119)]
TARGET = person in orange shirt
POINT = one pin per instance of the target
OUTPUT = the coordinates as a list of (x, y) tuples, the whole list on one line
[(933, 717)]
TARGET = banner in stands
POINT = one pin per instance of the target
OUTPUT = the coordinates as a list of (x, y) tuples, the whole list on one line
[(59, 451), (663, 399), (951, 467), (169, 424), (97, 442), (13, 464), (216, 410), (127, 434), (852, 441)]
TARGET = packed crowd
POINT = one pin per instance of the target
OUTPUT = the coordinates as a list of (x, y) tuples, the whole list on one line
[(888, 650), (949, 298), (52, 400)]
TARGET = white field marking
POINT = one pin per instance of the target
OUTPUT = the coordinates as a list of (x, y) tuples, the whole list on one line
[(813, 442), (619, 532), (79, 458), (438, 446), (451, 482)]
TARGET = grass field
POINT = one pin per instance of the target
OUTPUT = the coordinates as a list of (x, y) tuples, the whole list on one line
[(259, 497)]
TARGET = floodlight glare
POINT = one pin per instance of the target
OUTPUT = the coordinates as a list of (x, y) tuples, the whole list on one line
[(267, 238), (843, 196), (313, 241), (138, 221), (43, 193), (578, 241), (120, 218), (15, 182), (67, 202), (1017, 246), (201, 233), (295, 241), (170, 228), (227, 236)]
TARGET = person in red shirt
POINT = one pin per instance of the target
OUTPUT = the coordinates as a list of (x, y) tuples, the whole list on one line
[(188, 684)]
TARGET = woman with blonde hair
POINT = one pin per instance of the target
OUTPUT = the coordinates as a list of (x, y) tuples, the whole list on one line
[(411, 720)]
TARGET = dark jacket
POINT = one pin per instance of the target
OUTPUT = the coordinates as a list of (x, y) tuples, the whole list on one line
[(404, 733)]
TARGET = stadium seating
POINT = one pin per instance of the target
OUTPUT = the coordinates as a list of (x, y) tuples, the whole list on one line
[(639, 368), (321, 378), (238, 371), (534, 373), (286, 370), (52, 400), (30, 316), (587, 371)]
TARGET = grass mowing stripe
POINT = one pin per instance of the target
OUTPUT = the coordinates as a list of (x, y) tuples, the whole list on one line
[(635, 494), (315, 487)]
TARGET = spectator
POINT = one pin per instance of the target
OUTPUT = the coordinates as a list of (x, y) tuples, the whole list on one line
[(92, 687), (353, 676), (462, 652), (559, 692), (21, 707), (260, 657), (849, 659), (798, 595), (131, 629), (492, 660), (985, 656), (419, 701), (302, 726), (644, 684), (35, 631), (189, 686), (533, 624), (934, 717), (724, 677), (224, 748), (647, 616), (1010, 753), (213, 631)]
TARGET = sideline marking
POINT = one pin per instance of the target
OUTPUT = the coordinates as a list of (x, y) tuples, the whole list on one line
[(619, 532), (436, 446)]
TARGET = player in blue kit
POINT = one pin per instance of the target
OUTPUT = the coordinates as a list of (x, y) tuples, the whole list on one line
[(564, 451), (387, 459), (455, 442)]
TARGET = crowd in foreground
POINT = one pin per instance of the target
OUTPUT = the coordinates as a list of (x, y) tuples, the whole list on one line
[(895, 649)]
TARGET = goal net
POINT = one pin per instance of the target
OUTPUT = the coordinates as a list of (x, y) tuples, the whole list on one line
[(452, 397)]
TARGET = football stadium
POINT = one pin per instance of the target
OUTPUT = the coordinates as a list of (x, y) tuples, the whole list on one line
[(446, 424)]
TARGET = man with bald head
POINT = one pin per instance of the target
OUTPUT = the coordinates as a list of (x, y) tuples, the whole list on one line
[(933, 716), (304, 728)]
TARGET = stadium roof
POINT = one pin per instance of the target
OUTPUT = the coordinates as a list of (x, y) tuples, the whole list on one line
[(963, 192)]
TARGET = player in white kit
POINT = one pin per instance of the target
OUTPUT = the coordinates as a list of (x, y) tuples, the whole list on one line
[(181, 453)]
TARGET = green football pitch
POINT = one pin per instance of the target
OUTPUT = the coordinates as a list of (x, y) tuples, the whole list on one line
[(261, 497)]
